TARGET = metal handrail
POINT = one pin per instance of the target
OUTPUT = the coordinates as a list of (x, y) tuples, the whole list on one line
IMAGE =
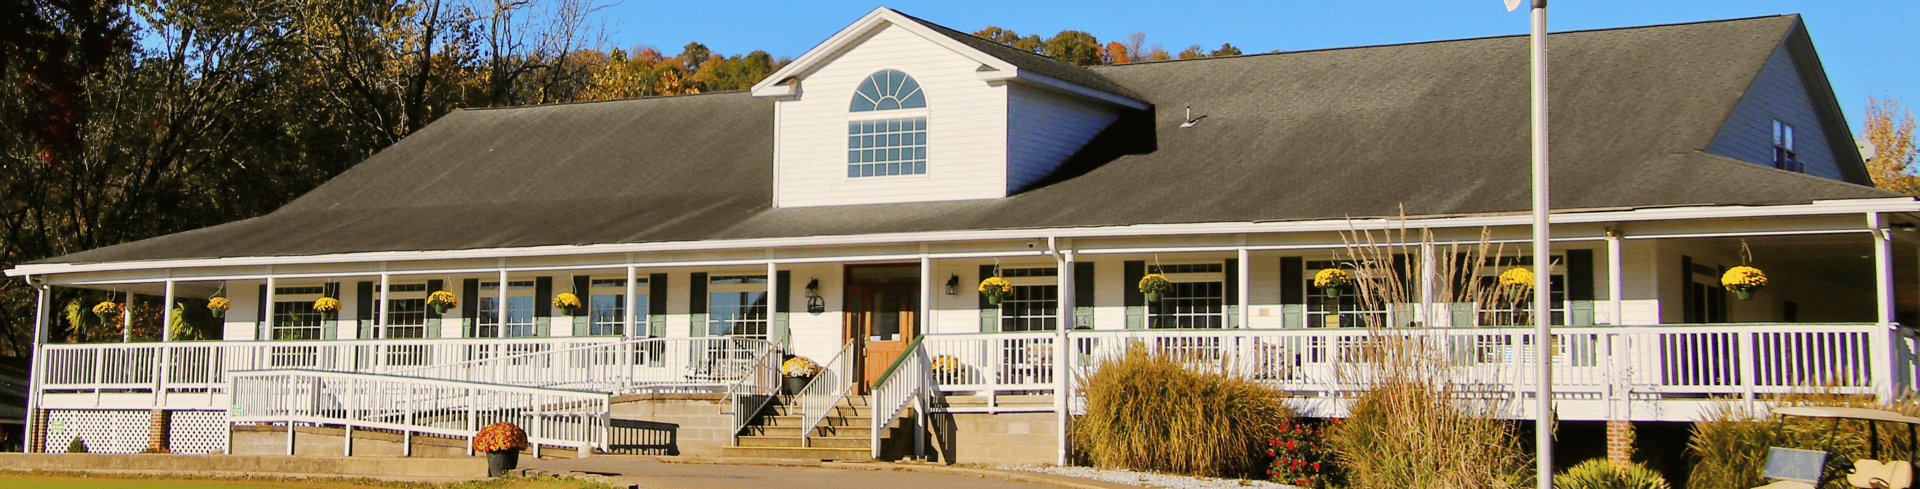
[(825, 391)]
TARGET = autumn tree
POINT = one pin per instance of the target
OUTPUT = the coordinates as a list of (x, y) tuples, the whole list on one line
[(1193, 52), (1225, 50), (1031, 43), (1115, 54), (1888, 146)]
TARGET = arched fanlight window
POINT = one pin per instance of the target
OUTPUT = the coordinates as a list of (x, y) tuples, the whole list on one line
[(887, 90), (881, 145)]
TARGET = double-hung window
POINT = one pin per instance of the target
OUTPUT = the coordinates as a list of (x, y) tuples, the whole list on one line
[(293, 314), (1035, 302), (737, 306), (519, 320), (1783, 154), (887, 127), (1513, 306), (606, 305), (1345, 309), (1198, 298), (407, 311)]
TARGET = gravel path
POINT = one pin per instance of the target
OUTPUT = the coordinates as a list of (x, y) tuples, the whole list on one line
[(1144, 479)]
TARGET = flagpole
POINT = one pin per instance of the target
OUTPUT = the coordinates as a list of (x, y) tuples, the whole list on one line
[(1542, 256)]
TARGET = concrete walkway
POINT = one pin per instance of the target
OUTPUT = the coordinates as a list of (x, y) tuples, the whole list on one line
[(715, 473)]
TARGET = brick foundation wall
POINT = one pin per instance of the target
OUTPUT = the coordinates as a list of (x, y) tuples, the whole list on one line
[(37, 428), (157, 431), (1620, 443)]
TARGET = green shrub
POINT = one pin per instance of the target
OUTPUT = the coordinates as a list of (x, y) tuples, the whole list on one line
[(77, 446), (1147, 410), (1729, 444), (1601, 474), (1301, 457)]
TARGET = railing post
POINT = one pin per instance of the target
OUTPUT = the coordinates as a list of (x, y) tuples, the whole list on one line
[(1747, 357), (1880, 344), (472, 429)]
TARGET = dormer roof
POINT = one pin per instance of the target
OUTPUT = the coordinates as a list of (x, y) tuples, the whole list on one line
[(998, 62)]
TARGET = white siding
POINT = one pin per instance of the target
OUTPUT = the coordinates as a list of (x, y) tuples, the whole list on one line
[(240, 319), (1777, 92), (817, 336), (1044, 129), (966, 128)]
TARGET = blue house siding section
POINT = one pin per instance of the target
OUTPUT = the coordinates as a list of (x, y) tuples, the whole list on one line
[(1778, 92)]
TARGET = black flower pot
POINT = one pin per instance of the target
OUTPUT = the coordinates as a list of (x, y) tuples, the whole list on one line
[(498, 463), (794, 385)]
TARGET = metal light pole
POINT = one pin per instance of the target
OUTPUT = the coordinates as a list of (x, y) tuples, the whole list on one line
[(1542, 253)]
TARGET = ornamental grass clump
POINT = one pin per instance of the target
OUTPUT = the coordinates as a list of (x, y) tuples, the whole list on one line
[(1147, 410), (1600, 473), (500, 437), (1729, 445)]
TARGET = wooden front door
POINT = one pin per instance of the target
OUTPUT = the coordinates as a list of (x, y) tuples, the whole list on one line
[(882, 318)]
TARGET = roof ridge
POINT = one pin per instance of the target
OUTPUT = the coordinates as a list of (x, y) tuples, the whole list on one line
[(586, 102), (1440, 41)]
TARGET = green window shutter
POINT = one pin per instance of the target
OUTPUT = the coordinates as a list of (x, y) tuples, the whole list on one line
[(697, 305), (1580, 287), (363, 308), (583, 319), (1293, 297), (1231, 303), (783, 291), (989, 312), (330, 328), (433, 317), (543, 306), (469, 306), (265, 312), (1136, 302), (1083, 293), (657, 305), (1462, 315)]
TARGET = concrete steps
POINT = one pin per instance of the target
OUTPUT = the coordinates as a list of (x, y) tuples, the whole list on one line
[(845, 433)]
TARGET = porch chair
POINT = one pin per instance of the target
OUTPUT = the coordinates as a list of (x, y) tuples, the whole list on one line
[(1873, 474), (1792, 468)]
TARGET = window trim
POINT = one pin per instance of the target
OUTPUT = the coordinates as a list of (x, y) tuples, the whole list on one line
[(617, 287), (766, 320)]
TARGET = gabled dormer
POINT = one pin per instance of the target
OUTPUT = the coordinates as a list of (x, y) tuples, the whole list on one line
[(894, 109)]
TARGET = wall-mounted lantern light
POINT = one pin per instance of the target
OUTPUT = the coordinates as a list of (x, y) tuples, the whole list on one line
[(815, 304), (953, 285)]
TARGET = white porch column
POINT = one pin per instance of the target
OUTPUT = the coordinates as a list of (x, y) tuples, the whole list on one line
[(1616, 274), (773, 295), (166, 314), (39, 364), (266, 313), (1063, 383), (632, 303), (1244, 295), (501, 311), (380, 313), (1882, 341), (126, 318), (1432, 311)]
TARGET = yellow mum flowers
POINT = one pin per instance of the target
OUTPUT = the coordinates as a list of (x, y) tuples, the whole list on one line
[(1517, 277), (1743, 280), (1332, 277), (442, 300), (566, 300), (326, 304), (219, 304)]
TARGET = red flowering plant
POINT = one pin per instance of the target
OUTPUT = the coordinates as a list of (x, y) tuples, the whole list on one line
[(499, 437), (1302, 458)]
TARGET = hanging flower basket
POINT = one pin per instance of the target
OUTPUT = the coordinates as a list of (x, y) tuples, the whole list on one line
[(219, 306), (1155, 286), (995, 288), (502, 442), (327, 306), (566, 302), (1331, 280), (105, 310), (1743, 281), (442, 301), (1517, 277)]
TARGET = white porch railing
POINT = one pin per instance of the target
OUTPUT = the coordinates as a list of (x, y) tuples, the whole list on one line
[(826, 390), (551, 417), (658, 364), (1613, 364), (908, 380)]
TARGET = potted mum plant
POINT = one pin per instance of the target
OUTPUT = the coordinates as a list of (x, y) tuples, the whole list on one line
[(502, 443), (1331, 280), (1517, 277), (1743, 281), (1155, 286), (327, 306), (219, 306), (566, 302), (798, 371), (995, 288), (442, 301)]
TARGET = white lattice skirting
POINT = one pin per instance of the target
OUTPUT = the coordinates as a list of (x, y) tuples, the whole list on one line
[(198, 432), (125, 431)]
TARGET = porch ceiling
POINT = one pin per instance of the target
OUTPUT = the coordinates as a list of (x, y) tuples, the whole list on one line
[(1844, 259)]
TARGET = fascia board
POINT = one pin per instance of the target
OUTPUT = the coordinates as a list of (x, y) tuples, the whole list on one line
[(878, 18), (1061, 85), (1856, 206)]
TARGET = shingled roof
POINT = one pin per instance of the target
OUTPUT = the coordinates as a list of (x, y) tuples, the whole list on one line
[(1435, 128)]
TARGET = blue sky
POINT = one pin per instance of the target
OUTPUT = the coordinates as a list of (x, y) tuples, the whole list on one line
[(1869, 47)]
